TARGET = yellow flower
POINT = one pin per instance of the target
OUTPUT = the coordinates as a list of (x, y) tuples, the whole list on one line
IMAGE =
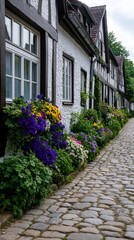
[(95, 124)]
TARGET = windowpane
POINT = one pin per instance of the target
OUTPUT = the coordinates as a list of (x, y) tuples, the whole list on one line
[(8, 28), (34, 91), (26, 90), (8, 87), (16, 33), (17, 66), (26, 69), (17, 88), (33, 43), (34, 72), (8, 63), (67, 79), (26, 39)]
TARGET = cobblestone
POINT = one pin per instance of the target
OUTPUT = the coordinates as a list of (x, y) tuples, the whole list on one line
[(98, 204)]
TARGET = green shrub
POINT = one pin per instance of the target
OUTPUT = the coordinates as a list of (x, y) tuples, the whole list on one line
[(114, 126), (24, 183), (90, 114), (64, 162), (63, 167), (81, 126)]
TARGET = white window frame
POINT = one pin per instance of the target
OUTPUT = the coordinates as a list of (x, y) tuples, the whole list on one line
[(24, 54), (67, 79)]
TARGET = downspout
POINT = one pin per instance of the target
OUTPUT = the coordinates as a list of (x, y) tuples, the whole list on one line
[(91, 101)]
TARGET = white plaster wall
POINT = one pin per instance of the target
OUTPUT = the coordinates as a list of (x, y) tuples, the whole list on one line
[(67, 45), (45, 9), (34, 3), (53, 13), (50, 56)]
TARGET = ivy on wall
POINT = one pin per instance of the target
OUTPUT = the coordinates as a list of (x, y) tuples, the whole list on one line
[(97, 101)]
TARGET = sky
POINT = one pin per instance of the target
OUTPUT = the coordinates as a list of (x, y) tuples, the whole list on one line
[(120, 20)]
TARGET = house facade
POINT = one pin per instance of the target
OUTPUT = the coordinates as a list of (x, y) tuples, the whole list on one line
[(75, 50), (57, 48), (28, 43)]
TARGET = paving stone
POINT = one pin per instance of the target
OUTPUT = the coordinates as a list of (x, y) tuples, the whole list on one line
[(89, 199), (25, 238), (53, 234), (22, 224), (35, 212), (55, 220), (129, 235), (116, 224), (69, 216), (89, 230), (130, 228), (109, 228), (89, 214), (69, 222), (32, 233), (111, 234), (39, 226), (48, 238), (62, 210), (9, 237), (107, 217), (84, 236), (43, 219), (94, 221), (63, 229), (52, 209), (14, 230)]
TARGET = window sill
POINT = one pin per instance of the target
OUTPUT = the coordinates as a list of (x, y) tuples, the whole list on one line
[(67, 103)]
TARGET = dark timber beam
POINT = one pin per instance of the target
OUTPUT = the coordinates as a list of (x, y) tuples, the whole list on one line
[(2, 78), (54, 73)]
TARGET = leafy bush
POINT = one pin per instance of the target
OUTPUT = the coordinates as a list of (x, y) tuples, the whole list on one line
[(63, 167), (81, 126), (64, 162), (90, 114), (114, 126), (24, 183)]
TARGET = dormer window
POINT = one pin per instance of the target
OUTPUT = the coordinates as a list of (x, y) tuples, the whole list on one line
[(87, 27), (80, 16)]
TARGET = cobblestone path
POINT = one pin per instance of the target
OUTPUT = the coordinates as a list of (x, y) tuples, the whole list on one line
[(97, 205)]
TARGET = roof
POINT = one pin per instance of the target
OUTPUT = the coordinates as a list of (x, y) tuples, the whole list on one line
[(97, 14)]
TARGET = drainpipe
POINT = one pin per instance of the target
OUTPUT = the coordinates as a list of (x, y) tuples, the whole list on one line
[(91, 86)]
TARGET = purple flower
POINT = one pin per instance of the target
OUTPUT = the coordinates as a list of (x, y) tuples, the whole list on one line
[(28, 125), (42, 151), (40, 96), (57, 135)]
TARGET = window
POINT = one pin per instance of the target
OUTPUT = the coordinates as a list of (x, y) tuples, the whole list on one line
[(83, 87), (80, 16), (67, 79), (22, 59), (112, 70)]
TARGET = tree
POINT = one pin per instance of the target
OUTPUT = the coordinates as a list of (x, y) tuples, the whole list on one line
[(116, 46)]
